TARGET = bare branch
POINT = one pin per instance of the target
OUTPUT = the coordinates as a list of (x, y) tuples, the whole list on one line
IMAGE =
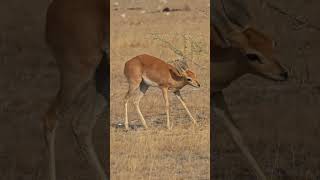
[(168, 44), (189, 44)]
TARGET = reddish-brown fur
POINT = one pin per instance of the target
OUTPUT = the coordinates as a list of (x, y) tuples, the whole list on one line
[(144, 70), (165, 75)]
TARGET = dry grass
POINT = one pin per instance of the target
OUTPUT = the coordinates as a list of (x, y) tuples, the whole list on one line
[(157, 153)]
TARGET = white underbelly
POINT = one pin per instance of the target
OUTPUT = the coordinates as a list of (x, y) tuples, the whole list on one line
[(149, 82)]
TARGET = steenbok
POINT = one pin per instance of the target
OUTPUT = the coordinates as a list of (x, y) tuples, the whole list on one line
[(144, 71)]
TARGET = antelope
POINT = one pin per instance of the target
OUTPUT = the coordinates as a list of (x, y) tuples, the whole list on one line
[(76, 34), (144, 71), (237, 52)]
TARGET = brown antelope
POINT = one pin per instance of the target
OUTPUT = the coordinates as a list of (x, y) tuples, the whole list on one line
[(235, 53), (76, 34), (144, 70)]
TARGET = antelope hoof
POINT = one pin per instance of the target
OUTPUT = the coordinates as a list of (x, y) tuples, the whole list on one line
[(126, 126)]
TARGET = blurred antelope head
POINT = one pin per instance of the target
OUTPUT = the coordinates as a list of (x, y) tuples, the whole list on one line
[(259, 52), (232, 29)]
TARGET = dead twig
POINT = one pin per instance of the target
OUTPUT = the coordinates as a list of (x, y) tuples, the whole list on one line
[(195, 48)]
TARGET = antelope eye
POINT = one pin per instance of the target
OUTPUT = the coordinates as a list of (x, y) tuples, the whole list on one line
[(253, 57), (189, 79)]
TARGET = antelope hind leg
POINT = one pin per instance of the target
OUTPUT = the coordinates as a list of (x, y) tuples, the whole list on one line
[(142, 90), (83, 124), (133, 87)]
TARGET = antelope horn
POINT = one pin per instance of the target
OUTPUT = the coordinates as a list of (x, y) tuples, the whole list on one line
[(184, 64), (181, 65), (180, 71)]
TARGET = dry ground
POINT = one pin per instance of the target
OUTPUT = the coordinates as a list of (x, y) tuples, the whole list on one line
[(182, 153)]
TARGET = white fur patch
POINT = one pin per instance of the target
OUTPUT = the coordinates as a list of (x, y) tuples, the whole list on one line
[(149, 82)]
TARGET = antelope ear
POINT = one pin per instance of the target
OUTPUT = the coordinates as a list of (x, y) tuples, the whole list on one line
[(238, 39), (255, 35), (174, 72)]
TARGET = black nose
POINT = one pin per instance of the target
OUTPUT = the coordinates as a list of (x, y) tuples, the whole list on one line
[(284, 75)]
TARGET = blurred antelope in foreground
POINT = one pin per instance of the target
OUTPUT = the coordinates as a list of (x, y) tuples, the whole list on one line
[(144, 71), (236, 52), (76, 32)]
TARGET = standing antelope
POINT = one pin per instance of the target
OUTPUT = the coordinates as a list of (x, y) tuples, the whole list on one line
[(235, 53), (144, 70), (76, 34)]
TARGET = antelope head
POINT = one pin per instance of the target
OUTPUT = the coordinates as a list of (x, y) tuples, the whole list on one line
[(259, 52), (184, 72), (232, 20)]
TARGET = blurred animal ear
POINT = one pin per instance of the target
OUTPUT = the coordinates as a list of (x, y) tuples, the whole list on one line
[(238, 39), (256, 36), (174, 72)]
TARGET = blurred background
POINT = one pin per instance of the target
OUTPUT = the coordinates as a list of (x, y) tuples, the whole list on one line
[(279, 121), (29, 81)]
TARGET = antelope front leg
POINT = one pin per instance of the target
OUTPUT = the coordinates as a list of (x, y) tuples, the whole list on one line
[(221, 109), (136, 103), (178, 95), (50, 124), (165, 96)]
